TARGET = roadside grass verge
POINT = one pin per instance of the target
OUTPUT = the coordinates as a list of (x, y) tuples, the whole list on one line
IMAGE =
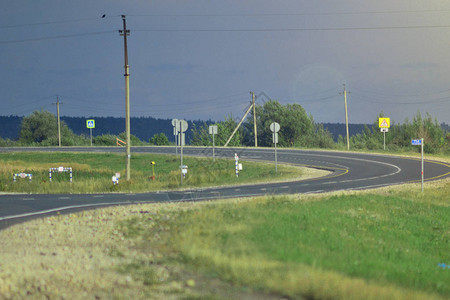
[(92, 172), (380, 244), (362, 246)]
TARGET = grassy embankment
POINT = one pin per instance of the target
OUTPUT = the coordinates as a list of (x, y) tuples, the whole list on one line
[(92, 172), (382, 244)]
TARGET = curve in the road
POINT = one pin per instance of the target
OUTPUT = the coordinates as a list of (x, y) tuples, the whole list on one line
[(350, 171)]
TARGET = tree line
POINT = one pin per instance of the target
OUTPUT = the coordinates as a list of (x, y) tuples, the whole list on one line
[(297, 130)]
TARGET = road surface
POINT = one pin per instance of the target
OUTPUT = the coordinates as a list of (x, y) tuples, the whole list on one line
[(349, 171)]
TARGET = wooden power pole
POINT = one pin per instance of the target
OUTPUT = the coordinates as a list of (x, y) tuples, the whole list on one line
[(346, 117), (58, 118), (125, 33), (254, 119)]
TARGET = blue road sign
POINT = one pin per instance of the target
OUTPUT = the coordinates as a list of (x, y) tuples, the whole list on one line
[(90, 123), (416, 142)]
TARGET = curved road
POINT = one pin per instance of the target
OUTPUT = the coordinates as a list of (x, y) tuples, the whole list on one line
[(350, 171)]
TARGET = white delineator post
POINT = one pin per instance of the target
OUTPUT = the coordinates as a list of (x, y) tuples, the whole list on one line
[(236, 163)]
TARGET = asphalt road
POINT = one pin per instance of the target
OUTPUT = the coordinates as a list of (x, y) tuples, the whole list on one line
[(350, 171)]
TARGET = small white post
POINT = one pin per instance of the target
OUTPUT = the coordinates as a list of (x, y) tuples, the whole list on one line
[(236, 163)]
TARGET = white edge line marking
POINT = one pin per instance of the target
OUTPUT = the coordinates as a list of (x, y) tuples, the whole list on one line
[(60, 209)]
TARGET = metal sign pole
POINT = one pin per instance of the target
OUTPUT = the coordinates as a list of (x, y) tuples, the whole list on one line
[(183, 126), (384, 140), (422, 161), (91, 136), (276, 162), (214, 152)]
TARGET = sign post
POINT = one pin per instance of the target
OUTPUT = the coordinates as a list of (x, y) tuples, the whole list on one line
[(384, 124), (176, 129), (275, 127), (213, 131), (182, 126), (90, 124), (419, 142)]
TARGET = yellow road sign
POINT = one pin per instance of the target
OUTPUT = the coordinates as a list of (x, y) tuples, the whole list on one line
[(384, 122)]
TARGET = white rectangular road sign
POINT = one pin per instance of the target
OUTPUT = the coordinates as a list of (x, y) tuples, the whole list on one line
[(384, 129), (416, 142), (212, 129)]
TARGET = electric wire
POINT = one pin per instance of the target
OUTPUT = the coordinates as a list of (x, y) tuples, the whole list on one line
[(296, 29), (293, 14), (56, 37), (54, 22)]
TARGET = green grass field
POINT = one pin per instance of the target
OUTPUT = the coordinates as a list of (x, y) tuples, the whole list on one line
[(92, 172)]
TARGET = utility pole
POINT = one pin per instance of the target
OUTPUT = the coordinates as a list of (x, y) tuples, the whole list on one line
[(125, 33), (346, 117), (59, 122), (254, 119)]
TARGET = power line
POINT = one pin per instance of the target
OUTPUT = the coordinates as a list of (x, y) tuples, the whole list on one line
[(440, 100), (296, 29), (55, 22), (57, 37), (294, 14), (402, 95)]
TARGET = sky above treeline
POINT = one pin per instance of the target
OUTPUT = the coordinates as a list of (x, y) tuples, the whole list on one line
[(201, 59)]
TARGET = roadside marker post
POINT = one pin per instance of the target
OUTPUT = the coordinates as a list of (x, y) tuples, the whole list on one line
[(236, 164), (419, 142), (153, 170)]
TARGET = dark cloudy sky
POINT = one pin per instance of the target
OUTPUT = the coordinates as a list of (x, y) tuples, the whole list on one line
[(200, 59)]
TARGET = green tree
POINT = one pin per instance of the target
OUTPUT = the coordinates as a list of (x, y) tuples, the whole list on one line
[(296, 128), (41, 127), (201, 136), (159, 140)]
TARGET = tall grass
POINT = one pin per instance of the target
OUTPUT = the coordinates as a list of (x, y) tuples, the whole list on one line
[(92, 172)]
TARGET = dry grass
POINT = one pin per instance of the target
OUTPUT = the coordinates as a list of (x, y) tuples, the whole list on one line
[(73, 256)]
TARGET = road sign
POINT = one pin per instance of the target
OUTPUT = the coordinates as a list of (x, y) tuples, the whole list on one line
[(384, 129), (176, 126), (275, 127), (183, 125), (384, 122), (90, 123), (416, 142), (212, 129)]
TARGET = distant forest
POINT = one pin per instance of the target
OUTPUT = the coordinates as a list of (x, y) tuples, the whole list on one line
[(146, 127)]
